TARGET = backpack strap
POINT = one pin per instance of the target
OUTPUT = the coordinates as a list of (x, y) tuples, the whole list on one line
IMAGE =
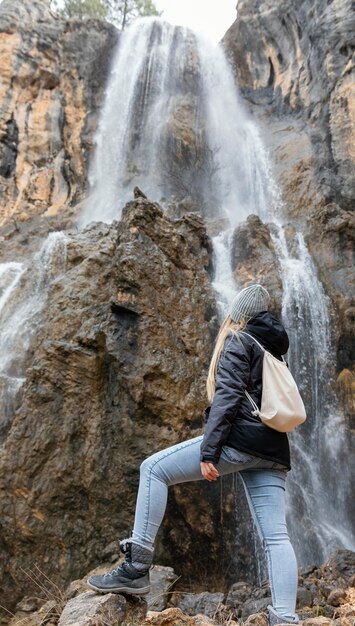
[(259, 344), (253, 403), (256, 341)]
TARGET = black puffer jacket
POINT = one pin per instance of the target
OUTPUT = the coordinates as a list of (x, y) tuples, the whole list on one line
[(229, 419)]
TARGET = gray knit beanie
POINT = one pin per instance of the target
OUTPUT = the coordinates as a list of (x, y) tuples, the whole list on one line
[(249, 302)]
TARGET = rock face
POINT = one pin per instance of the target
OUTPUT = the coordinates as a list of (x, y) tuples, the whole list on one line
[(254, 258), (325, 598), (91, 609), (298, 58), (53, 75), (117, 373), (118, 367), (294, 64)]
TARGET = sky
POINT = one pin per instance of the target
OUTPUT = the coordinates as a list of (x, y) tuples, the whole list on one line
[(210, 17)]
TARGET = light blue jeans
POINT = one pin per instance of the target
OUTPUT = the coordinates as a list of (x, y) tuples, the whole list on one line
[(264, 483)]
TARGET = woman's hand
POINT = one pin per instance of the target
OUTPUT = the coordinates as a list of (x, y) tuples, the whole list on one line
[(209, 471)]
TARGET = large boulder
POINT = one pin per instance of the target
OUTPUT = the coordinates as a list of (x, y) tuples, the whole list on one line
[(117, 371)]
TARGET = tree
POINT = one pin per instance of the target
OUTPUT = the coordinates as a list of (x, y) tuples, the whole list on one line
[(80, 9), (119, 12), (123, 12)]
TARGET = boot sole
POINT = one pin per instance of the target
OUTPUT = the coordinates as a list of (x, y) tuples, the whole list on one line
[(129, 590)]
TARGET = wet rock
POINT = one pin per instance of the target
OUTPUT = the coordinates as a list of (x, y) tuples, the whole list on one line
[(331, 243), (237, 595), (206, 603), (346, 389), (175, 617), (169, 617), (291, 68), (203, 620), (341, 563), (343, 621), (304, 597), (161, 581), (28, 604), (9, 151), (336, 597), (255, 606), (91, 609), (258, 619), (111, 552), (48, 613), (254, 258), (317, 621)]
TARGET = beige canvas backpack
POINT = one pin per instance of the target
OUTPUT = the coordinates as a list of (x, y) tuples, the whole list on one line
[(282, 407)]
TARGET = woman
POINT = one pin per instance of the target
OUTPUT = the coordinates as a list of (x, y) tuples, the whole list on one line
[(234, 441)]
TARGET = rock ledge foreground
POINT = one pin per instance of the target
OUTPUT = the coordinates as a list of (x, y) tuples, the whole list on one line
[(326, 597)]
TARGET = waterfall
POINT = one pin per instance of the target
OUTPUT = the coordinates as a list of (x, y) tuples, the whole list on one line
[(10, 274), (152, 76), (173, 124), (318, 503), (242, 177), (223, 282), (23, 292)]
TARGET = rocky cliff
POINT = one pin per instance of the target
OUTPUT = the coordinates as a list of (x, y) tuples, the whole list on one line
[(115, 368), (294, 63), (297, 58), (118, 365), (53, 75), (325, 597)]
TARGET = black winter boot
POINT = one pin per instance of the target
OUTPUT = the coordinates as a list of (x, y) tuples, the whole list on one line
[(275, 618), (131, 577)]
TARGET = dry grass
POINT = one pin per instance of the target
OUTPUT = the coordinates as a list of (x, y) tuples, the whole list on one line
[(49, 595)]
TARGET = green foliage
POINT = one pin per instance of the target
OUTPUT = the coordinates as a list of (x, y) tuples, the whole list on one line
[(123, 12), (147, 7), (119, 12), (81, 9)]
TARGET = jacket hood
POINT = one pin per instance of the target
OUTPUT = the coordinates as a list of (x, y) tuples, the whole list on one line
[(269, 331)]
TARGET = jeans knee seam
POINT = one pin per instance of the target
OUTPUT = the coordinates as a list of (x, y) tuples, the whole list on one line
[(271, 581)]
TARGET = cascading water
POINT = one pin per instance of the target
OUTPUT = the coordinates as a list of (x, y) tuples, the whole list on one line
[(10, 275), (241, 176), (153, 73), (319, 503), (173, 124), (23, 291), (223, 282)]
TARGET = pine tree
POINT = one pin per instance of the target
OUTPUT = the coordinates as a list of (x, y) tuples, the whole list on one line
[(120, 12), (123, 12), (81, 9)]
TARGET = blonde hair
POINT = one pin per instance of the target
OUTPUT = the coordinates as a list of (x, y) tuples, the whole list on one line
[(228, 326)]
